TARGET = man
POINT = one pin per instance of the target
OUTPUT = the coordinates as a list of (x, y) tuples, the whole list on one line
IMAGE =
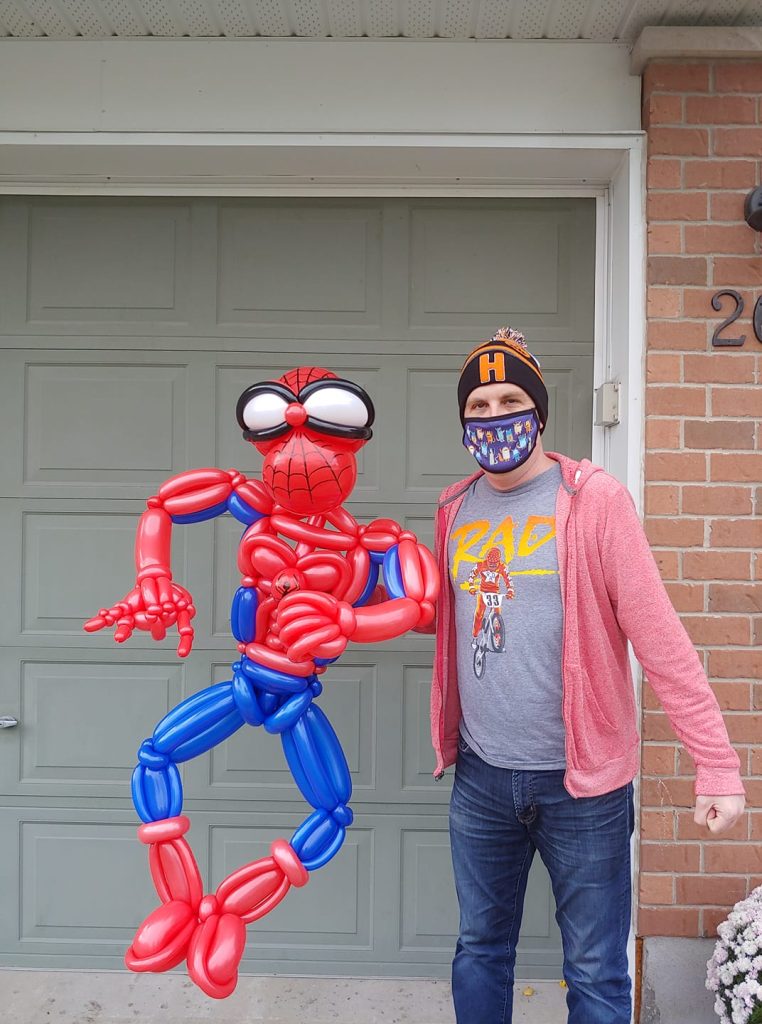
[(544, 739)]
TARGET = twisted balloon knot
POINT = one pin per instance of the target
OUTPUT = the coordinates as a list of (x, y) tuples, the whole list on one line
[(208, 907), (150, 757), (343, 815)]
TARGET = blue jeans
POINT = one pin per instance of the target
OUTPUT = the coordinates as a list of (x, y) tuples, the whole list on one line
[(498, 818)]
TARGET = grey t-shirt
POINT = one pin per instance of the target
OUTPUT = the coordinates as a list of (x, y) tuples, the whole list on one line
[(509, 623)]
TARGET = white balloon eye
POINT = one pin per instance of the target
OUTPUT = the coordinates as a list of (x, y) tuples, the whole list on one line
[(264, 411), (337, 405)]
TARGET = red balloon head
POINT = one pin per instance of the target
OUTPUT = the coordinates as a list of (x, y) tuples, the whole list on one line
[(308, 424)]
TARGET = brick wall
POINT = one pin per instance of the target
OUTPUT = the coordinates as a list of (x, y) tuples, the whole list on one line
[(703, 469)]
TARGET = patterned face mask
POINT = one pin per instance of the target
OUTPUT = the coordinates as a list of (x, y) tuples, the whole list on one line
[(502, 443)]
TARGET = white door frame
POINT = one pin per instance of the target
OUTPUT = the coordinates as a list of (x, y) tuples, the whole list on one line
[(606, 167)]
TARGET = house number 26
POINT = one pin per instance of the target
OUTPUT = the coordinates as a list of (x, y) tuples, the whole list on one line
[(719, 342)]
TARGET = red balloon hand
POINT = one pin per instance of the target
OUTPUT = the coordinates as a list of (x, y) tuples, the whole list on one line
[(311, 624), (155, 604)]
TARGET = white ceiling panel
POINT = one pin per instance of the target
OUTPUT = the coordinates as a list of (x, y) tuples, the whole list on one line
[(605, 20)]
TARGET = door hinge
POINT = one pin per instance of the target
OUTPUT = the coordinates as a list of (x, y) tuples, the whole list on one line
[(607, 404)]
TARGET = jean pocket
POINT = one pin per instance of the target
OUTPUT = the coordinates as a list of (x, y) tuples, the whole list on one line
[(463, 747)]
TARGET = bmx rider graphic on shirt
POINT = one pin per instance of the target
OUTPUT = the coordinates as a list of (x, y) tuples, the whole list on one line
[(483, 551)]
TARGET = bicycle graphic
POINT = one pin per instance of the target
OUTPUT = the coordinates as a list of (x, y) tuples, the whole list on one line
[(491, 635)]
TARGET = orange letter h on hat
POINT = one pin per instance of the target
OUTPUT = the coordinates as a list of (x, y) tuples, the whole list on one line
[(492, 364)]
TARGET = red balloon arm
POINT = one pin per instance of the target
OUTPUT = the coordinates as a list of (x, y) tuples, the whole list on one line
[(385, 621)]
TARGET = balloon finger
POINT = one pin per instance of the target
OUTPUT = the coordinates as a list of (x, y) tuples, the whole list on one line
[(150, 595), (158, 631), (124, 629), (94, 624), (292, 630), (164, 587), (332, 649), (185, 630), (302, 648)]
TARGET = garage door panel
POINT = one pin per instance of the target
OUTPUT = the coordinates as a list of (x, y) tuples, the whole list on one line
[(104, 423), (297, 263), (108, 261), (470, 265)]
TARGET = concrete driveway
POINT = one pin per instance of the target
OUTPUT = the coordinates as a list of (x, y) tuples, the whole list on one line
[(101, 997)]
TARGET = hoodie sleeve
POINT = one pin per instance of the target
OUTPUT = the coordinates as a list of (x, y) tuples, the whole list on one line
[(664, 649)]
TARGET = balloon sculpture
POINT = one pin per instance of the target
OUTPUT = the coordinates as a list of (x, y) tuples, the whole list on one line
[(297, 606)]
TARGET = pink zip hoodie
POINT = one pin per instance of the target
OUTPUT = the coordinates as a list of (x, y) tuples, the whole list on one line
[(611, 592)]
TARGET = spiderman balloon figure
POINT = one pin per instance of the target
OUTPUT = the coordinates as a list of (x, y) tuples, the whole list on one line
[(308, 569)]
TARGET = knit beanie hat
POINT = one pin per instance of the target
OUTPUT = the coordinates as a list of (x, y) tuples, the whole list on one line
[(505, 357)]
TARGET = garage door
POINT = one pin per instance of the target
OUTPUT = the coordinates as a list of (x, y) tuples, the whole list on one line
[(128, 329)]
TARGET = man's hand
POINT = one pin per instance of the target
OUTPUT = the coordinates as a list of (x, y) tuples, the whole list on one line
[(718, 813)]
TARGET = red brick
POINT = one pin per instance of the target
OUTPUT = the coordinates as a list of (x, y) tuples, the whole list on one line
[(658, 759), (736, 533), (667, 564), (683, 533), (730, 664), (688, 829), (757, 696), (736, 468), (733, 141), (720, 368), (675, 401), (675, 857), (707, 889), (661, 499), (656, 727), (663, 108), (736, 272), (658, 825), (711, 238), (732, 696), (738, 77), (656, 889), (719, 110), (675, 77), (719, 173), (711, 919), (664, 302), (726, 434), (677, 466), (736, 401), (717, 500), (663, 174), (730, 206), (686, 597), (672, 921), (722, 629), (677, 270), (697, 302), (662, 368), (733, 858), (662, 434), (682, 335), (756, 826), (664, 238), (677, 205), (669, 792), (755, 768), (735, 597), (716, 565)]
